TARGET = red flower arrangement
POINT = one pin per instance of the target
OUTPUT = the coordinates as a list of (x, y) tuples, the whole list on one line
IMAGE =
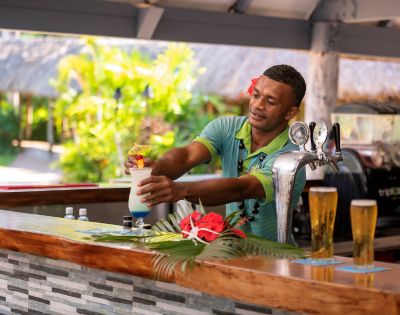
[(206, 228), (193, 235)]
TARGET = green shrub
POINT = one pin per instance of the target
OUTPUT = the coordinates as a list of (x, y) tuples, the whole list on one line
[(126, 98), (9, 126)]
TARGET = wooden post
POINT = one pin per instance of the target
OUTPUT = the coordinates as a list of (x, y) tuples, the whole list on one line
[(50, 126), (29, 117), (14, 98), (323, 75)]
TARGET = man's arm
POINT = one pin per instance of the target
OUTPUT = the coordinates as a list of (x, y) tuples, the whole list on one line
[(176, 162), (210, 192), (179, 161)]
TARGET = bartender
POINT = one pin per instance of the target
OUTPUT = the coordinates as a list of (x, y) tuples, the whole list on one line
[(248, 147)]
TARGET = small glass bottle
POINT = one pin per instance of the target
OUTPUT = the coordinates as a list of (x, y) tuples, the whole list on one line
[(127, 223), (83, 215), (69, 213)]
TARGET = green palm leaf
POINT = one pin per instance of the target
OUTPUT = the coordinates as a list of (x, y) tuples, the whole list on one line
[(183, 209), (174, 221), (255, 245), (164, 226), (117, 238), (172, 250), (171, 254), (153, 237)]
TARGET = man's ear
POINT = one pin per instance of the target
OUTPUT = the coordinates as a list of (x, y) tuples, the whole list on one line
[(293, 111)]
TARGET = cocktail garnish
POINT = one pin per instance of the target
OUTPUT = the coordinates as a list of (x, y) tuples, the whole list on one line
[(140, 161), (136, 151)]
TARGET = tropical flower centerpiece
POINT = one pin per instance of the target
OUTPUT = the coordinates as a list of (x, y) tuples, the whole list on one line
[(194, 235)]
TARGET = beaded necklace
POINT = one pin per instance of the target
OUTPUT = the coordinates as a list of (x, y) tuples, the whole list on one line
[(242, 206)]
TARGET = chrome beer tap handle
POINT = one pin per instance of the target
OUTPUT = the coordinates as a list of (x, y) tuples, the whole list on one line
[(299, 134), (334, 159), (320, 135), (333, 162), (287, 165), (336, 135), (311, 125)]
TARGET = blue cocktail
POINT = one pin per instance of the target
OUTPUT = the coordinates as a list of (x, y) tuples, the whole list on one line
[(137, 208)]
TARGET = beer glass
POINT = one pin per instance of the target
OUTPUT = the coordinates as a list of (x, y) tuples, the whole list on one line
[(365, 280), (363, 221), (137, 208), (323, 202), (322, 274)]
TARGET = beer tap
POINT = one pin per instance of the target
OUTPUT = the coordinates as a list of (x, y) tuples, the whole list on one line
[(287, 165), (311, 126), (333, 160)]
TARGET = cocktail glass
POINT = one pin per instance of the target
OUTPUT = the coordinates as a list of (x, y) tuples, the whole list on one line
[(138, 209)]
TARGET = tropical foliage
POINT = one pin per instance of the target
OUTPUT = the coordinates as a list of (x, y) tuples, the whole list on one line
[(189, 235), (9, 126), (111, 98)]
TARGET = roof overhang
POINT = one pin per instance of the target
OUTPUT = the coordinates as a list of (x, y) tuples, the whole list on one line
[(235, 26)]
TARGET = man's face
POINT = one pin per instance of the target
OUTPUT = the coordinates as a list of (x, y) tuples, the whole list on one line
[(271, 105)]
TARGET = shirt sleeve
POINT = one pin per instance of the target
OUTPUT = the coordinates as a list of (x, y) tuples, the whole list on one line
[(212, 136), (264, 175)]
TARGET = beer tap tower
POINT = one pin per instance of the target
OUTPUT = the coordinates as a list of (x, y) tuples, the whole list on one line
[(287, 165)]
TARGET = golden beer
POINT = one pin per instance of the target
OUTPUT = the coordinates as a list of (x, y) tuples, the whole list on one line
[(363, 221), (365, 280), (323, 202), (322, 273)]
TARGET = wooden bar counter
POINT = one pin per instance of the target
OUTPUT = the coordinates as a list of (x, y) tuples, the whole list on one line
[(56, 249)]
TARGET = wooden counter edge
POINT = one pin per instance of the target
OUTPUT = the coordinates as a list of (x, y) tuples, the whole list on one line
[(244, 285), (288, 293), (17, 198), (135, 262)]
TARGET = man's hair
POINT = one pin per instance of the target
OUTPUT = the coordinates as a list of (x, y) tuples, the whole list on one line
[(290, 76)]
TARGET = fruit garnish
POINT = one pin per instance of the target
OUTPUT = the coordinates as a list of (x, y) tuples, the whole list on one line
[(140, 161), (137, 152)]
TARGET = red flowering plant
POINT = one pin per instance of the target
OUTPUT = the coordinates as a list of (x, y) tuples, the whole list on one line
[(206, 228), (188, 236)]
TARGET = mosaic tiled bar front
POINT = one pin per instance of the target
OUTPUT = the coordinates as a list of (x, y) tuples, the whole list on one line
[(36, 285)]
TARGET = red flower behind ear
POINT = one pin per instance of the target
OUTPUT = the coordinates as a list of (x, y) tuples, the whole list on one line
[(252, 85)]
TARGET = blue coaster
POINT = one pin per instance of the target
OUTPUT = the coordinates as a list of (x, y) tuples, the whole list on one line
[(357, 270), (317, 262), (107, 231)]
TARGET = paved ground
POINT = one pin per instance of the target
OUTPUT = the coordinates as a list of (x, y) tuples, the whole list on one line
[(34, 164)]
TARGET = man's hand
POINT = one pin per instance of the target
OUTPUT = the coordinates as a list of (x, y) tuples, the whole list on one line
[(131, 162), (161, 189)]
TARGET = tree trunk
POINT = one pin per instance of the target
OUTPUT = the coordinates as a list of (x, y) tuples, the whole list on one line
[(50, 126), (323, 76), (29, 117)]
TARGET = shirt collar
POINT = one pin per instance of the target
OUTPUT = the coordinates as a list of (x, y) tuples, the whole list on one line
[(276, 144)]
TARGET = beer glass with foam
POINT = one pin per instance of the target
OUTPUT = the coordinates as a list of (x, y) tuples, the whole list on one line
[(323, 202), (363, 221)]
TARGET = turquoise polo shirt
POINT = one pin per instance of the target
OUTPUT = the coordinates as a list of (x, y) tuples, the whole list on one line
[(222, 137)]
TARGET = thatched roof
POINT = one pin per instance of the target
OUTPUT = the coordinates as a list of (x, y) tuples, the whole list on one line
[(27, 65)]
